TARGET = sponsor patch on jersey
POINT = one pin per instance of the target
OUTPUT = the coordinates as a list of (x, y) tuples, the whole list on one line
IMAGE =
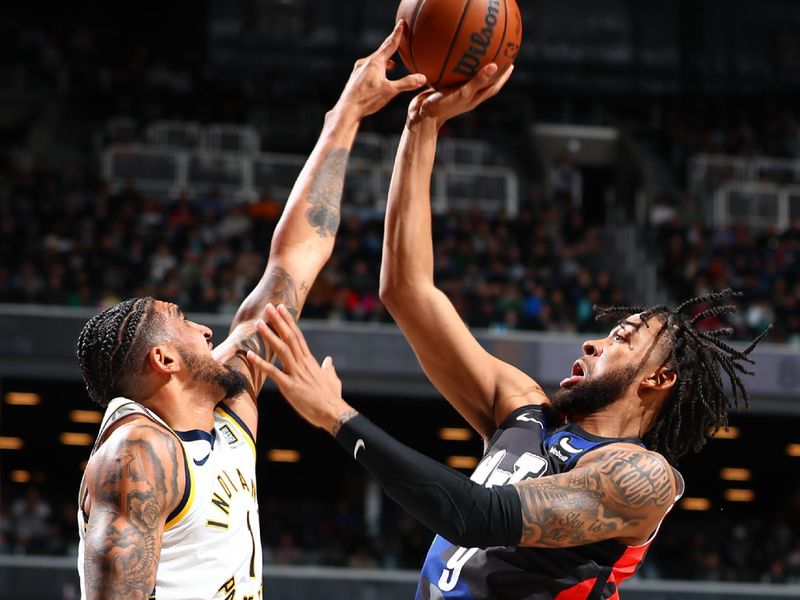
[(228, 435)]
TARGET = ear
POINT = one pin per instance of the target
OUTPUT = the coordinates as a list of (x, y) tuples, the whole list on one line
[(163, 360), (662, 379)]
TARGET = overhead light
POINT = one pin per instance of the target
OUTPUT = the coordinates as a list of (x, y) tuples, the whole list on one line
[(695, 504), (283, 455), (739, 495), (793, 449), (69, 438), (731, 433), (10, 443), (20, 476), (455, 434), (85, 416), (462, 462), (735, 474), (23, 398)]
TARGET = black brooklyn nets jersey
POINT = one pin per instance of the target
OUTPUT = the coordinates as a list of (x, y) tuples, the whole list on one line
[(524, 447)]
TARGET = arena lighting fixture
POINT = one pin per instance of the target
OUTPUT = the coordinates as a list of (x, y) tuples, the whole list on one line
[(735, 474), (10, 443), (70, 438), (20, 476), (455, 434), (793, 449), (283, 455), (739, 495), (85, 416), (23, 398), (462, 462), (731, 433), (695, 504)]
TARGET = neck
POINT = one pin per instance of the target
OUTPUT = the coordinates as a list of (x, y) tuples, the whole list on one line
[(184, 409), (629, 417)]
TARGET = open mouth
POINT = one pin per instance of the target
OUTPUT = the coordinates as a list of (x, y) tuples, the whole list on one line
[(578, 372)]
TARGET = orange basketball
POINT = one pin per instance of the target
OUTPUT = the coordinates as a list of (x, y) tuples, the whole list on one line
[(450, 40)]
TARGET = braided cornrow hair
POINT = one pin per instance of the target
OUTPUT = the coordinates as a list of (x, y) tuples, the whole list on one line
[(698, 404), (111, 345)]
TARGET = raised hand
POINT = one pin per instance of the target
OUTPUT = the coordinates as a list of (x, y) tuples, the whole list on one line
[(441, 106), (368, 89), (313, 390)]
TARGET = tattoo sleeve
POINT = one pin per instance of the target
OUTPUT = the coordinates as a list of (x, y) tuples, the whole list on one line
[(325, 196), (135, 487), (620, 494), (278, 287)]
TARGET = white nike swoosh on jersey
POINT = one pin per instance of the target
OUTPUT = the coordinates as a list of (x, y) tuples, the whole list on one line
[(359, 444), (564, 443)]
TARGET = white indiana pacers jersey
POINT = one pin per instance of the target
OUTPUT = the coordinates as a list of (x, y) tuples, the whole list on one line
[(211, 546)]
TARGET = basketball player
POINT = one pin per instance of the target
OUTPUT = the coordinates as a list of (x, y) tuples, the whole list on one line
[(168, 505), (552, 511)]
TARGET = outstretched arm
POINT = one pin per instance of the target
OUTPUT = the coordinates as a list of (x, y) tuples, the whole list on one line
[(481, 387), (304, 237), (132, 484), (618, 492)]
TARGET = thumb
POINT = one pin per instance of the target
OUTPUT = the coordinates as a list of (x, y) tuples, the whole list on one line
[(409, 82), (327, 365)]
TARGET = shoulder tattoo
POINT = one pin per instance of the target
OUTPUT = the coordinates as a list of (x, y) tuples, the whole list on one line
[(610, 497)]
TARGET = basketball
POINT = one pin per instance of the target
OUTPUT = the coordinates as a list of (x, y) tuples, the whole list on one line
[(449, 41)]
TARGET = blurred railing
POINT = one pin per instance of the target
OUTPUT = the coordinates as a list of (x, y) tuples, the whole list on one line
[(761, 192), (186, 158)]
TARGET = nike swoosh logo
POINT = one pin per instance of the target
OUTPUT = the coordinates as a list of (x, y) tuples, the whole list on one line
[(359, 445), (200, 463), (565, 445)]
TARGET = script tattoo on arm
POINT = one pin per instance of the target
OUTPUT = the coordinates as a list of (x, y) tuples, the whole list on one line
[(325, 196), (135, 487), (619, 494)]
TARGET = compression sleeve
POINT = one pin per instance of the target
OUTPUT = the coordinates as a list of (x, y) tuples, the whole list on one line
[(460, 510)]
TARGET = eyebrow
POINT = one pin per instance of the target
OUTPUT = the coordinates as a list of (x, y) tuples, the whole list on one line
[(175, 310)]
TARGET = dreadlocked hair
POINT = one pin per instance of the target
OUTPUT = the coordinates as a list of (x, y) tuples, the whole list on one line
[(698, 404), (112, 346)]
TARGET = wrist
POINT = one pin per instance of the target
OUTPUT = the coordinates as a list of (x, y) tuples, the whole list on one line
[(339, 417), (341, 115), (425, 126)]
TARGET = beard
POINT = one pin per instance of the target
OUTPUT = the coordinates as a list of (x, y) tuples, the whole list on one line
[(205, 369), (591, 394)]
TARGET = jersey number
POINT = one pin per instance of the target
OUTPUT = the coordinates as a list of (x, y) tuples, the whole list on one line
[(487, 473)]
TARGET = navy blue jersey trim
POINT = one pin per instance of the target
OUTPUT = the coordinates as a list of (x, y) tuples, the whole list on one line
[(198, 434), (186, 490), (227, 410)]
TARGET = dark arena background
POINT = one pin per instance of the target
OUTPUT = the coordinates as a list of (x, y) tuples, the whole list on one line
[(644, 151)]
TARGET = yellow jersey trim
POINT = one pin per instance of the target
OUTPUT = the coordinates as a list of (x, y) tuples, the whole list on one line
[(224, 411), (188, 504)]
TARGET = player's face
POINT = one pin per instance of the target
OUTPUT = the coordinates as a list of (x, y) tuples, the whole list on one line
[(185, 333), (193, 343), (610, 367)]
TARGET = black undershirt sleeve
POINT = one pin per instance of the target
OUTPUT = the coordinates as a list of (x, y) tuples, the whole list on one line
[(460, 510)]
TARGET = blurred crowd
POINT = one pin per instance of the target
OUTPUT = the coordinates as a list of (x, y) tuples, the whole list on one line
[(76, 244), (762, 264)]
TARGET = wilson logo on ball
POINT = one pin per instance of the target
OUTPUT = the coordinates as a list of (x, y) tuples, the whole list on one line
[(471, 59)]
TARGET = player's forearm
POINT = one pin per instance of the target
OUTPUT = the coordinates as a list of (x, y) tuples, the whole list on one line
[(312, 213), (460, 510), (408, 247), (304, 238)]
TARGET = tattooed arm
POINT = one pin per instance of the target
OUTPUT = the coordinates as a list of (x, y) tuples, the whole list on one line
[(132, 483), (304, 237), (614, 493)]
